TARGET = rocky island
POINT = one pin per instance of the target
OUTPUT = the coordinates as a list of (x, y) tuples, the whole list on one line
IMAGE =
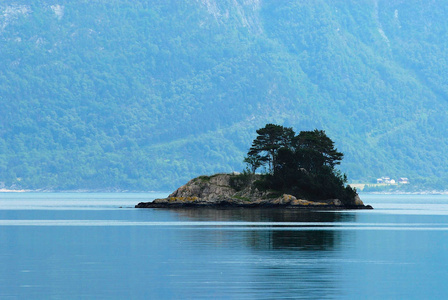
[(299, 172), (226, 190)]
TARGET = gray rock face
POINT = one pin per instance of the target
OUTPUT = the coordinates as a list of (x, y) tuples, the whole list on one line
[(358, 201), (206, 188), (231, 190)]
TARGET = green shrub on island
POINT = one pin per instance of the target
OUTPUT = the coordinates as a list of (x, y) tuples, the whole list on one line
[(302, 165)]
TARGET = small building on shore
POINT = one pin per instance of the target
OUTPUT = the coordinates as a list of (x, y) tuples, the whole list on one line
[(403, 180), (385, 180), (388, 180)]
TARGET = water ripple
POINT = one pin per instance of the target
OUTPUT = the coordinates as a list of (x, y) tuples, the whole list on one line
[(283, 226)]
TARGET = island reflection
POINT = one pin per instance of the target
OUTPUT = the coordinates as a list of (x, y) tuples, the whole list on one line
[(278, 237)]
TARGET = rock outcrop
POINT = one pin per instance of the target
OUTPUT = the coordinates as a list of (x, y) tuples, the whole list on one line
[(231, 190)]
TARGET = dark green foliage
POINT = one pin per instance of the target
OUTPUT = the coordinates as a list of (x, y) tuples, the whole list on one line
[(240, 181), (315, 150), (304, 166), (204, 178), (265, 147), (253, 162), (144, 95)]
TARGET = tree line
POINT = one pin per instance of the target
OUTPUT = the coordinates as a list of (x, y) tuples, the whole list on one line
[(302, 165)]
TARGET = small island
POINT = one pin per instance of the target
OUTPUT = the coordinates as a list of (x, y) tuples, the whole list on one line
[(299, 172)]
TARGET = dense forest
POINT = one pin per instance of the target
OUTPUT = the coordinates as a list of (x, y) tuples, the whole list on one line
[(144, 95)]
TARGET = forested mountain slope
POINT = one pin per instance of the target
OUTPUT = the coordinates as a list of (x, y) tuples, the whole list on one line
[(144, 95)]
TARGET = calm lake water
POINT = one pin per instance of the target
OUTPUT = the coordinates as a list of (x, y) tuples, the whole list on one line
[(97, 246)]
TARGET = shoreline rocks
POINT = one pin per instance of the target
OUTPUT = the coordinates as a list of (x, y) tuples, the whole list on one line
[(225, 191)]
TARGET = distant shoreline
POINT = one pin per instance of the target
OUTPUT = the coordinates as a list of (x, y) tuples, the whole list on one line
[(407, 193), (13, 191), (4, 190)]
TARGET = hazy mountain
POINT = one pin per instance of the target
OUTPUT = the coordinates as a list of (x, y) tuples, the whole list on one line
[(144, 95)]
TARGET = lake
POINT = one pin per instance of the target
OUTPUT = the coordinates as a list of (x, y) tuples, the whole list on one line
[(97, 246)]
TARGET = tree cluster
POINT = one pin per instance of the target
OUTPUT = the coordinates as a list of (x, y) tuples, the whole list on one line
[(302, 165)]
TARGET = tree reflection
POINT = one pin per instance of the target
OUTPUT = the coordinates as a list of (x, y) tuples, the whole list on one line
[(304, 236)]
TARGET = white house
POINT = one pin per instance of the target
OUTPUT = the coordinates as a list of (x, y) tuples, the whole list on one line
[(403, 180)]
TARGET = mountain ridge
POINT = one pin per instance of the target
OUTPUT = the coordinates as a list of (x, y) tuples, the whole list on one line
[(140, 95)]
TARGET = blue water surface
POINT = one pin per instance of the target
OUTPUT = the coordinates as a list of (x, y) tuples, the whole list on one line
[(97, 246)]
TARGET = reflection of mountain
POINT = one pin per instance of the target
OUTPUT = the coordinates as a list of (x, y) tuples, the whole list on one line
[(295, 237)]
